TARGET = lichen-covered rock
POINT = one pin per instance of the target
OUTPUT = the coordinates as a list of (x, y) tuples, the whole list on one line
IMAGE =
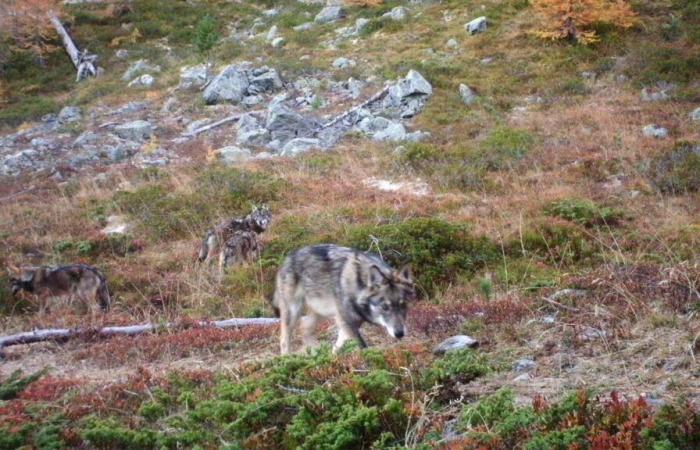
[(230, 85)]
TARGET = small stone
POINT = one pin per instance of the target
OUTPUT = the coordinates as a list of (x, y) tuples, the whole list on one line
[(272, 33), (588, 75), (69, 114), (523, 378), (655, 131), (139, 67), (477, 25), (453, 343), (452, 43), (330, 14), (278, 42), (344, 63), (144, 80), (306, 26), (360, 24), (486, 61), (272, 12), (194, 76), (524, 365), (233, 155), (299, 145), (121, 53), (695, 115), (135, 131), (393, 133), (398, 13), (468, 95)]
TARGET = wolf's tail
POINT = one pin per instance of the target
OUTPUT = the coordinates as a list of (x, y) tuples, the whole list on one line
[(204, 248), (104, 298), (273, 303)]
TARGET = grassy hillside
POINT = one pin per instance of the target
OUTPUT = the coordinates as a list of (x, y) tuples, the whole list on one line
[(547, 182)]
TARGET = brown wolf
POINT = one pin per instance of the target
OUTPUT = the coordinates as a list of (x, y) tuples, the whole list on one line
[(352, 287), (85, 283)]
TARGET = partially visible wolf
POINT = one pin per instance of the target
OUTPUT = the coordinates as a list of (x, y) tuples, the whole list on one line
[(85, 283), (214, 242), (352, 287), (243, 246)]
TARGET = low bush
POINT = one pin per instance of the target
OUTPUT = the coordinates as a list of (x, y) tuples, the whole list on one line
[(583, 212), (437, 250), (678, 170)]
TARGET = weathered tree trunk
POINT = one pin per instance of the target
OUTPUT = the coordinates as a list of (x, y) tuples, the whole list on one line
[(64, 334), (83, 61)]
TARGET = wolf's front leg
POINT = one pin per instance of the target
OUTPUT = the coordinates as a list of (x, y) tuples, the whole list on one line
[(347, 332)]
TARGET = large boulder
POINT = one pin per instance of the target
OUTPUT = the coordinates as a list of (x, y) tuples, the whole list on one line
[(231, 85), (398, 13), (408, 96), (194, 76), (232, 155), (284, 123), (264, 80), (330, 14), (251, 132), (137, 130), (299, 145)]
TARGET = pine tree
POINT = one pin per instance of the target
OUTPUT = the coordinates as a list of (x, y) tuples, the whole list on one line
[(572, 19)]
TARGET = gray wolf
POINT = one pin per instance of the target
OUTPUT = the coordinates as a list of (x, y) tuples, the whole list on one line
[(352, 287), (76, 281), (214, 242), (241, 247)]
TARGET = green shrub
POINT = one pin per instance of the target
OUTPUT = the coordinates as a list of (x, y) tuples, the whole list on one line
[(15, 384), (460, 365), (555, 241), (206, 35), (583, 212), (678, 170), (437, 250), (504, 146)]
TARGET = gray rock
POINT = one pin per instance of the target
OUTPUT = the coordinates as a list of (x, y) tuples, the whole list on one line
[(306, 26), (69, 114), (417, 136), (86, 138), (272, 12), (658, 93), (330, 14), (139, 67), (468, 95), (231, 85), (143, 81), (116, 225), (452, 43), (299, 145), (344, 63), (264, 82), (252, 100), (41, 144), (408, 96), (116, 153), (477, 25), (373, 124), (132, 107), (524, 365), (398, 13), (486, 61), (272, 33), (135, 131), (121, 53), (194, 76), (655, 131), (454, 343), (360, 24), (523, 378), (233, 155), (278, 42), (395, 132), (695, 115), (250, 132), (567, 293), (285, 124)]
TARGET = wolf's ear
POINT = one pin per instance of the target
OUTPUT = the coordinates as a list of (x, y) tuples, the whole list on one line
[(376, 276), (405, 273)]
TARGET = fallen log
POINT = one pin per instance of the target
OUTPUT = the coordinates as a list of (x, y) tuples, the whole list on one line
[(376, 97), (64, 334), (84, 61), (218, 123)]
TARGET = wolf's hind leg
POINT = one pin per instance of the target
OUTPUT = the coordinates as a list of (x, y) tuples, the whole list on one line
[(308, 329)]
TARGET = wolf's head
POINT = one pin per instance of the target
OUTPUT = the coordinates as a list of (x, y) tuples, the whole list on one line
[(24, 282), (387, 298), (260, 218)]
